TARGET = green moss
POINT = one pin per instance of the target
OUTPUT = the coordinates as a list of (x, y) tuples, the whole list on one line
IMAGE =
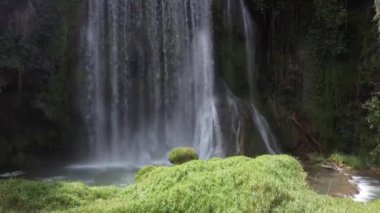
[(27, 196), (238, 184), (144, 172), (182, 155)]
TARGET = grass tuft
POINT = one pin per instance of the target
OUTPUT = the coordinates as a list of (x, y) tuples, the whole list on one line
[(342, 160)]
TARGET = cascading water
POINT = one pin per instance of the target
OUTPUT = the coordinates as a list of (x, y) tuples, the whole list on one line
[(259, 120), (249, 47), (264, 130), (148, 84)]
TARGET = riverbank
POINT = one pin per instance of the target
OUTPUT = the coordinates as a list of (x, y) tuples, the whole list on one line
[(237, 184)]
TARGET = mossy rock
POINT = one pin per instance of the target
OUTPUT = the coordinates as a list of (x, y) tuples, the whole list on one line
[(182, 155)]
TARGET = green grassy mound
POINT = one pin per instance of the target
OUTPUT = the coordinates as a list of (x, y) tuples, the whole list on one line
[(237, 184)]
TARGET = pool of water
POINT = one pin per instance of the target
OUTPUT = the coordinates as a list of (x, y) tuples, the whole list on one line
[(91, 174), (341, 183), (117, 174)]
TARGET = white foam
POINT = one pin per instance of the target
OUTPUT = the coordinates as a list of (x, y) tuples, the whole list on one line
[(12, 174), (369, 189), (114, 165)]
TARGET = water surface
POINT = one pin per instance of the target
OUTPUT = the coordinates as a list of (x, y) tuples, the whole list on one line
[(340, 183)]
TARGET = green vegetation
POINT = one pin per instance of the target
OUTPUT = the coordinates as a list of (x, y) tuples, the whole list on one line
[(237, 184), (328, 98), (144, 172), (347, 160), (27, 196), (373, 121), (373, 116), (374, 157), (37, 56), (182, 155), (340, 160), (322, 65)]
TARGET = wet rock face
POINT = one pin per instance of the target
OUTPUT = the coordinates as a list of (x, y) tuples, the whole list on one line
[(15, 16)]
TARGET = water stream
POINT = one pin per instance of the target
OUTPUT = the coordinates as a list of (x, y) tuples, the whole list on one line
[(341, 183)]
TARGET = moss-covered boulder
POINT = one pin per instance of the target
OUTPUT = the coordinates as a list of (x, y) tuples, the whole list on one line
[(182, 155)]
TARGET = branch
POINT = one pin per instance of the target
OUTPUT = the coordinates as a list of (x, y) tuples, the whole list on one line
[(320, 147)]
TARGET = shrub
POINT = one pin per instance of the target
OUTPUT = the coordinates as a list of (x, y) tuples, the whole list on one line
[(374, 157), (373, 117), (346, 160)]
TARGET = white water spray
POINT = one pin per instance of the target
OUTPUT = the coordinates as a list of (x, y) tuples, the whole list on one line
[(149, 83)]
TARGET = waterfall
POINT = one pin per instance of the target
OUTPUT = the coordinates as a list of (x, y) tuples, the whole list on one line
[(249, 47), (259, 120), (264, 130), (147, 80)]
